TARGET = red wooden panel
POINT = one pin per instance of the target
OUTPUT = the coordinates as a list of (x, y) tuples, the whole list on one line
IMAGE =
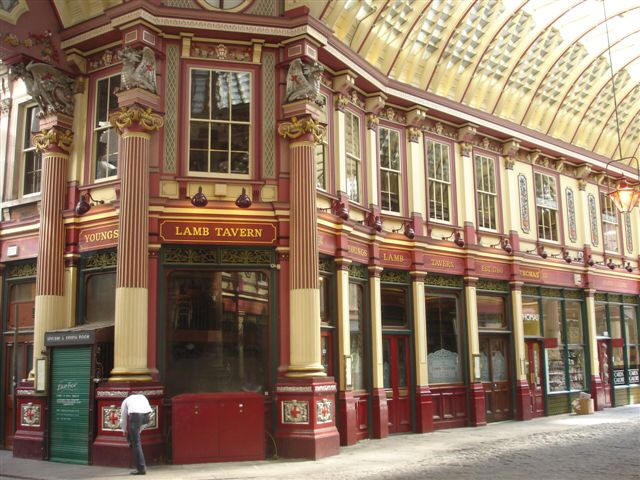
[(449, 406), (362, 416), (237, 419)]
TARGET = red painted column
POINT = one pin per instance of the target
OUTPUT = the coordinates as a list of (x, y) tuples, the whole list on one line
[(305, 396), (54, 144)]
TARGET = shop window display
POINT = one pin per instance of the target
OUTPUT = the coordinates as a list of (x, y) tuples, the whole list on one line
[(443, 340), (356, 335), (217, 331), (625, 349), (100, 298)]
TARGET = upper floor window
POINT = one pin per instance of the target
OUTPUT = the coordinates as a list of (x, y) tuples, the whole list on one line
[(609, 223), (439, 173), (31, 159), (354, 157), (219, 122), (389, 169), (546, 207), (487, 192), (105, 136), (322, 152)]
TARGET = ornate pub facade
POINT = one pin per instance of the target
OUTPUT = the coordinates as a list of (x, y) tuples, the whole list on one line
[(291, 236)]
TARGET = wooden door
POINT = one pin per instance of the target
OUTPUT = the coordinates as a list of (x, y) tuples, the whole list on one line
[(534, 378), (605, 368), (326, 351), (494, 362), (396, 379)]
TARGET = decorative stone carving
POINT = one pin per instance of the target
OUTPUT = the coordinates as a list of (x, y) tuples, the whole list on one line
[(295, 411), (593, 219), (128, 116), (627, 232), (50, 88), (467, 133), (5, 106), (571, 211), (324, 411), (509, 163), (54, 138), (30, 415), (105, 59), (466, 149), (524, 204), (222, 52), (372, 121), (341, 102), (298, 127), (303, 82), (138, 69), (414, 134)]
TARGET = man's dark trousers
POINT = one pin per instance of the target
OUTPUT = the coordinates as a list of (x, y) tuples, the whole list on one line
[(135, 423)]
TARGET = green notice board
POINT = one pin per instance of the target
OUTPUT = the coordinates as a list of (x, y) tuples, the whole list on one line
[(69, 410)]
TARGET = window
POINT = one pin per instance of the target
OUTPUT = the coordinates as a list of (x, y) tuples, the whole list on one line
[(394, 307), (354, 163), (546, 207), (217, 331), (487, 194), (322, 152), (356, 335), (444, 357), (105, 137), (625, 351), (439, 173), (21, 305), (492, 313), (327, 323), (389, 169), (531, 317), (31, 159), (630, 318), (100, 298), (609, 223), (219, 125)]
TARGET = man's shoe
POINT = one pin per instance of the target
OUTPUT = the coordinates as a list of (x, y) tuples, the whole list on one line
[(136, 472)]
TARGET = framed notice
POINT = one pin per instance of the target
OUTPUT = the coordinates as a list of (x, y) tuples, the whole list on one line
[(41, 375)]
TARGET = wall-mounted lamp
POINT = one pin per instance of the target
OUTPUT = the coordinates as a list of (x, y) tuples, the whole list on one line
[(628, 267), (590, 261), (539, 250), (85, 203), (243, 200), (457, 238), (199, 199), (409, 230), (340, 209), (504, 244), (374, 221), (610, 264)]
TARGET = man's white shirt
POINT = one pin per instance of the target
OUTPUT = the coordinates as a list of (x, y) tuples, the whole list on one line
[(133, 404)]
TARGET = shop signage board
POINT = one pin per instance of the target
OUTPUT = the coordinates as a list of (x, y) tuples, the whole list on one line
[(391, 258), (619, 285), (326, 243), (94, 238), (25, 247), (438, 263), (242, 233), (69, 407), (492, 270), (358, 252), (86, 337)]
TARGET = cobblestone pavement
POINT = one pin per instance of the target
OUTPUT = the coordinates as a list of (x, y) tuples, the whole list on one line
[(562, 447)]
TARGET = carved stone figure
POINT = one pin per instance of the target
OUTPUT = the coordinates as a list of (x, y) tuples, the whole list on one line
[(49, 87), (303, 82), (138, 69)]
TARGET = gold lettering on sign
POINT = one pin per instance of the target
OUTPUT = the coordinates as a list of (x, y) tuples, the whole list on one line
[(101, 236), (192, 231), (491, 269), (393, 257), (440, 262), (238, 232), (358, 251), (530, 274)]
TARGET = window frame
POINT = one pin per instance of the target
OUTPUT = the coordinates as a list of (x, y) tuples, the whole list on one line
[(25, 130), (453, 204), (603, 202), (497, 194), (461, 340), (400, 172), (255, 137), (326, 144), (97, 131), (558, 209), (362, 190)]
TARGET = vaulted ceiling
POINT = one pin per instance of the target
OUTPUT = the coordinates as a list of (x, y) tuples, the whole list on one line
[(543, 64)]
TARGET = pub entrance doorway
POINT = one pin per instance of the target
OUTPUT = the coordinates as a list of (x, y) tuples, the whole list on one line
[(496, 378), (535, 377), (605, 367), (397, 381)]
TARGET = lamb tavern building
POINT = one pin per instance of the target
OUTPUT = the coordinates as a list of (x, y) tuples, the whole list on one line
[(297, 224)]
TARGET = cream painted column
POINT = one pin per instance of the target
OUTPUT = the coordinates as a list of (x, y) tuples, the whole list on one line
[(472, 323), (590, 305), (420, 328), (80, 125), (518, 330), (70, 288), (370, 163), (304, 293), (54, 143), (344, 337), (415, 172), (466, 187), (376, 326), (135, 125), (512, 205)]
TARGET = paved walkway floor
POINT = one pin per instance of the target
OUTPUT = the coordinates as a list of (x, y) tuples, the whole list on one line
[(603, 445)]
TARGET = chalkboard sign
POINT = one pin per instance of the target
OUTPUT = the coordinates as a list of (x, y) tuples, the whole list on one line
[(618, 377), (633, 375)]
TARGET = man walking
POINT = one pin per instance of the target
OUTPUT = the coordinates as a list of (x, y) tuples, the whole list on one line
[(134, 414)]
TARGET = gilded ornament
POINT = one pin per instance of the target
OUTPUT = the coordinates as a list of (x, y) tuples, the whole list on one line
[(395, 276), (372, 121), (46, 139), (414, 134), (341, 102), (357, 270), (22, 270), (129, 116), (298, 127)]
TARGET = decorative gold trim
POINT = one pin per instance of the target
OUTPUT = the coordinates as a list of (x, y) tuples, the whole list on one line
[(53, 137), (128, 116), (298, 127)]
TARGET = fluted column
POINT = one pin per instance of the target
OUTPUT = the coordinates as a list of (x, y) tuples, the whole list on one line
[(135, 125), (54, 143), (304, 293)]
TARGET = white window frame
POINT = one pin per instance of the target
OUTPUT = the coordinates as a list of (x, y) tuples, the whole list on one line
[(99, 130), (228, 122), (26, 133), (390, 172), (485, 195), (436, 185), (547, 208), (322, 150), (353, 157), (610, 222)]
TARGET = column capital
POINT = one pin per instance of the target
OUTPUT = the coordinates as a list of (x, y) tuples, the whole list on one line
[(375, 270), (53, 140), (136, 118), (298, 127), (589, 292), (470, 281), (417, 276), (516, 285), (343, 263), (414, 134)]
